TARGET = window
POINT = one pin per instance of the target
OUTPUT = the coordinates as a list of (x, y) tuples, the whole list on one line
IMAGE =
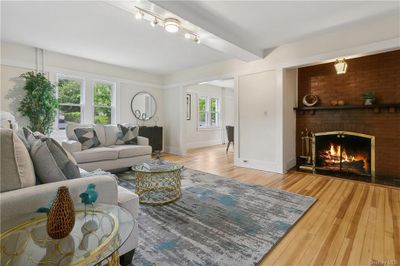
[(69, 97), (102, 102), (208, 112)]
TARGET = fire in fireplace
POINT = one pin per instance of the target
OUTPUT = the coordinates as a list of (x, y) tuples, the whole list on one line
[(344, 153)]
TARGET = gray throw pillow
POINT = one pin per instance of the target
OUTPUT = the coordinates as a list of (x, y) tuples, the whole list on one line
[(87, 137), (28, 137), (127, 135), (51, 162)]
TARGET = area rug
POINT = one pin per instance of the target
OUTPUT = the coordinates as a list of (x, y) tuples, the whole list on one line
[(217, 221)]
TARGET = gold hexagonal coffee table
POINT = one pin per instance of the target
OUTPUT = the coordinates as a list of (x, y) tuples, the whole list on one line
[(158, 185)]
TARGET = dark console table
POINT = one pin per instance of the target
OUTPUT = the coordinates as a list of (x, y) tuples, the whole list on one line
[(155, 136)]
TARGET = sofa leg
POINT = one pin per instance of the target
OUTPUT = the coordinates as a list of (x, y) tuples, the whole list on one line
[(126, 259)]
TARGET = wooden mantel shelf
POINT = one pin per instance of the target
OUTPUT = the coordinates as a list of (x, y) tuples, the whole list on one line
[(376, 107)]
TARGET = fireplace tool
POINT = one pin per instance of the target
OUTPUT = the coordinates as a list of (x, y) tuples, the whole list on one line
[(306, 151)]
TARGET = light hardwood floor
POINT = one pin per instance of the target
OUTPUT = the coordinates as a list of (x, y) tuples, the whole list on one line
[(352, 223)]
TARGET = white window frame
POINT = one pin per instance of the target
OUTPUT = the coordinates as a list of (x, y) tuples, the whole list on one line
[(59, 77), (113, 99), (208, 112)]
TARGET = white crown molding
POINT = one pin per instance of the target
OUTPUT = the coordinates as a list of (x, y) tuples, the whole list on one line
[(66, 71)]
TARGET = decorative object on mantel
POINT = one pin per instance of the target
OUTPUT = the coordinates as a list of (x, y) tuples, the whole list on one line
[(340, 102), (334, 102), (188, 106), (61, 217), (341, 66), (310, 100), (368, 97)]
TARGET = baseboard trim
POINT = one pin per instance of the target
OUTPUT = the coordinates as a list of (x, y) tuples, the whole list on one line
[(258, 165)]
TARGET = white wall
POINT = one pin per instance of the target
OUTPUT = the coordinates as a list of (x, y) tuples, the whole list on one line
[(18, 59)]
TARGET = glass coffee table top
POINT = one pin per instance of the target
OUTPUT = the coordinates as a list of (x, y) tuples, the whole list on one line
[(94, 238)]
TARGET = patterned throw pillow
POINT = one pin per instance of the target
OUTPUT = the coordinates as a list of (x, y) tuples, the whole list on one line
[(127, 135), (51, 162), (87, 137)]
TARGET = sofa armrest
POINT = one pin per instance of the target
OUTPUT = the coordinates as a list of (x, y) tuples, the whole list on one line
[(142, 141), (27, 200), (72, 146)]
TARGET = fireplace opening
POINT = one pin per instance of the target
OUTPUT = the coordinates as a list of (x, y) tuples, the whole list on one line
[(344, 153)]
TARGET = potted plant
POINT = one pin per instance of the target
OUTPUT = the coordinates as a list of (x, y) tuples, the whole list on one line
[(40, 103), (368, 97)]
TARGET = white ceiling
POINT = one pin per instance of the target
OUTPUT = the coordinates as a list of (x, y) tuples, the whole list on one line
[(103, 32), (260, 25)]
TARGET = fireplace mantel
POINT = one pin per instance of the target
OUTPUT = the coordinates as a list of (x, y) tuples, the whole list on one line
[(392, 107)]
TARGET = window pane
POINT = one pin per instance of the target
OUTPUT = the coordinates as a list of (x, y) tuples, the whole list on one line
[(102, 115), (214, 119), (102, 94), (202, 119), (69, 91), (68, 114), (202, 104), (214, 105)]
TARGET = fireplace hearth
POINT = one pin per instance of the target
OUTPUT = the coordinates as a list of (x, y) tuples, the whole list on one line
[(344, 153)]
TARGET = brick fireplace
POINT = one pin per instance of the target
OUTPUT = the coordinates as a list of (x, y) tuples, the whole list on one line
[(379, 73)]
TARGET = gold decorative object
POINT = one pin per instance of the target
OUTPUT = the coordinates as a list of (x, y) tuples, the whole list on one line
[(157, 187), (341, 102), (310, 100), (61, 217), (95, 239), (334, 102)]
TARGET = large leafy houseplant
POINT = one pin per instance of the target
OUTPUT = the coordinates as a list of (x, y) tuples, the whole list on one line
[(40, 102)]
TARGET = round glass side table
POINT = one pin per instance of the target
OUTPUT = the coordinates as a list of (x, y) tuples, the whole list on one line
[(95, 238)]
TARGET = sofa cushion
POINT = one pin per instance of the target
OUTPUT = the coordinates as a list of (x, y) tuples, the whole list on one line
[(127, 135), (95, 154), (87, 137), (51, 162), (126, 151), (128, 200), (99, 128), (111, 133), (16, 166)]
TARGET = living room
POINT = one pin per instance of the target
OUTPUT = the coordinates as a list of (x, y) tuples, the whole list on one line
[(142, 94)]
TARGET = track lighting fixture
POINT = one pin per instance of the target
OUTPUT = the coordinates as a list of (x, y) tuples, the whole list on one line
[(171, 25)]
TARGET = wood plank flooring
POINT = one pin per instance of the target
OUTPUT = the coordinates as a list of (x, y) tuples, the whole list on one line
[(352, 223)]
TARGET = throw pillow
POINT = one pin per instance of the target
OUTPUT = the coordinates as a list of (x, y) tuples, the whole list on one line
[(87, 137), (127, 135), (16, 166), (28, 137), (51, 162)]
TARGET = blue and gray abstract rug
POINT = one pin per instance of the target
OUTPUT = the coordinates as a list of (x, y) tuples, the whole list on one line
[(217, 221)]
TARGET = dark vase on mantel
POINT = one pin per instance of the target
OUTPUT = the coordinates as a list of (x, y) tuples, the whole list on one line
[(61, 217)]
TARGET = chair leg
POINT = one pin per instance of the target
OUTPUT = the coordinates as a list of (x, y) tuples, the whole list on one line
[(227, 147)]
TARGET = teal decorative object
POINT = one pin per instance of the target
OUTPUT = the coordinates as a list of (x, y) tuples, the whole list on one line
[(47, 209), (90, 195)]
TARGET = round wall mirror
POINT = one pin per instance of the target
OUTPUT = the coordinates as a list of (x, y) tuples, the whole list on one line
[(143, 106)]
